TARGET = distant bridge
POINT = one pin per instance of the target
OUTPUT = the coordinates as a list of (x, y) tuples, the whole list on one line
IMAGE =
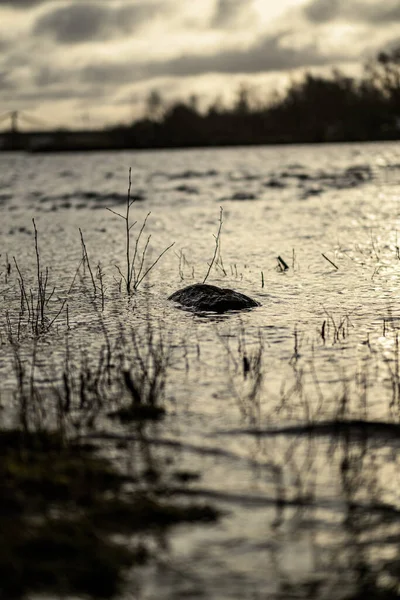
[(41, 135), (45, 138), (14, 117), (13, 137)]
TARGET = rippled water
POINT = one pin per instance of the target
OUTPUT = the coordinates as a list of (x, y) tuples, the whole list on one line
[(307, 513)]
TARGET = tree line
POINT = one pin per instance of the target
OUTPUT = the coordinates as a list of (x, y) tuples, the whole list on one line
[(313, 109)]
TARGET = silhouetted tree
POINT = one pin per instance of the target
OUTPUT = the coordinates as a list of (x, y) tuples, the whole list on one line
[(216, 107), (384, 74), (314, 108), (182, 125), (194, 102), (154, 105), (242, 102)]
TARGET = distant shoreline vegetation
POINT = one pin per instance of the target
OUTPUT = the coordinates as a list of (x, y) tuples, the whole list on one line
[(315, 109)]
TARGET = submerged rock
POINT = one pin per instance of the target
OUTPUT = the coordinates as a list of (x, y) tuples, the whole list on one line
[(204, 297)]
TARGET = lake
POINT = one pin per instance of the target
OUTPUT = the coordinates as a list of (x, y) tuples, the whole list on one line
[(285, 418)]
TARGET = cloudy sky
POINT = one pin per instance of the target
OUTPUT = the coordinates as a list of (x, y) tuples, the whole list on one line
[(89, 63)]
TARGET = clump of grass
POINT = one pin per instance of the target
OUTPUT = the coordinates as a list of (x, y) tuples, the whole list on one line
[(135, 270), (35, 301), (335, 331)]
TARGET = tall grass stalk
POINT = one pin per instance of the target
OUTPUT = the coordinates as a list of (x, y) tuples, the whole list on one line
[(86, 262), (217, 244), (135, 271)]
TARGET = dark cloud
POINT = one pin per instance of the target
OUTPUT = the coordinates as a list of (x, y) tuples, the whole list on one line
[(90, 81), (265, 56), (226, 13), (18, 4), (71, 24), (320, 11), (86, 21), (110, 73), (376, 13), (384, 14)]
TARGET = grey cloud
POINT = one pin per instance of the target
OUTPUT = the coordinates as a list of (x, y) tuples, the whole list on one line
[(320, 11), (19, 55), (52, 83), (385, 14), (5, 82), (4, 44), (18, 4), (109, 73), (57, 94), (70, 24), (267, 55), (393, 43), (46, 76), (46, 79), (85, 21), (133, 16), (226, 13), (91, 80), (378, 13)]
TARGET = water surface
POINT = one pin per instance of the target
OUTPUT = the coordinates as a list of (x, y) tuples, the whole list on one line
[(306, 513)]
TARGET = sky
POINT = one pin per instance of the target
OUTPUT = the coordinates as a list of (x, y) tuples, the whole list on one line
[(93, 63)]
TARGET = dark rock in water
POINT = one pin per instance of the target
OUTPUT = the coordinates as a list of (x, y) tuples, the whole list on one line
[(188, 189), (138, 412), (243, 196), (204, 297), (274, 183)]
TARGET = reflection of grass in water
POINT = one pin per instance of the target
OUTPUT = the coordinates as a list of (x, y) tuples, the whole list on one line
[(58, 504), (127, 375), (314, 439), (44, 549)]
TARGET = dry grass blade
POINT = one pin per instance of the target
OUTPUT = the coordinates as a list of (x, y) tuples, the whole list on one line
[(217, 244)]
